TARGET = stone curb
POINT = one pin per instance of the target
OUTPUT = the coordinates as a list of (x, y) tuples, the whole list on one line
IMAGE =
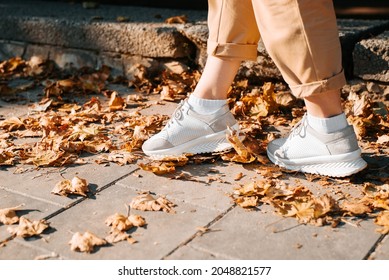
[(75, 42)]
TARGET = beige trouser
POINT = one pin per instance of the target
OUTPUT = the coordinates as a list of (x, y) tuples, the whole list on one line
[(301, 36)]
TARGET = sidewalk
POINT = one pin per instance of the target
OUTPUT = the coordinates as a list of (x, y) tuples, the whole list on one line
[(207, 224)]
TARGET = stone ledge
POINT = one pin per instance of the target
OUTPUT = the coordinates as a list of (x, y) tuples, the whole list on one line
[(371, 58), (76, 40)]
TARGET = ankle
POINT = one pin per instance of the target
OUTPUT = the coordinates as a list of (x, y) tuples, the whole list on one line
[(327, 125), (205, 106)]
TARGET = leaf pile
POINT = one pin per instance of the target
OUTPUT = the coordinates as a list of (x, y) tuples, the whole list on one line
[(79, 116), (299, 202)]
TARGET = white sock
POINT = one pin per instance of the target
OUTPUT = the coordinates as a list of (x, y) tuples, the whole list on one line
[(205, 106), (328, 125)]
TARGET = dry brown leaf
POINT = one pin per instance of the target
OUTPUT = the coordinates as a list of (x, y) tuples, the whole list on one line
[(116, 102), (119, 222), (119, 157), (303, 211), (177, 19), (158, 168), (12, 124), (6, 158), (85, 242), (243, 154), (238, 176), (117, 236), (324, 205), (247, 201), (146, 202), (27, 228), (167, 93), (355, 208), (77, 186), (8, 215), (137, 220), (383, 220)]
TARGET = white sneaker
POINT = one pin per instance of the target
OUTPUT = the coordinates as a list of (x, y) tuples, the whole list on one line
[(190, 132), (335, 154)]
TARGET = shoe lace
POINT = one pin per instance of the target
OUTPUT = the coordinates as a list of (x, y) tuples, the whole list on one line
[(177, 114), (298, 129)]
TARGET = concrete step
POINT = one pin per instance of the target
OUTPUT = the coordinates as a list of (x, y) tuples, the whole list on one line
[(73, 37)]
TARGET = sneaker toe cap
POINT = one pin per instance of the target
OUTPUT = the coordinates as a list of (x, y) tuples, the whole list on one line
[(275, 145), (156, 144)]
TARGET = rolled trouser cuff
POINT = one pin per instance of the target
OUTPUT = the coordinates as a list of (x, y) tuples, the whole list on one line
[(333, 83), (233, 50)]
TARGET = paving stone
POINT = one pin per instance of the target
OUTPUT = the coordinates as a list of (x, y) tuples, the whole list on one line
[(210, 196), (382, 250), (66, 58), (32, 209), (251, 235), (11, 49), (371, 58), (37, 50), (188, 253), (20, 250), (38, 183), (164, 231)]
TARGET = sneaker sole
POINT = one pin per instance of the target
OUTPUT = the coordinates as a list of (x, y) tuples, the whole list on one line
[(216, 142), (350, 164)]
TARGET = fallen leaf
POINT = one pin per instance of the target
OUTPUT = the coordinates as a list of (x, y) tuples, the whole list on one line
[(383, 220), (119, 222), (85, 242), (117, 236), (158, 168), (177, 19), (238, 176), (146, 202), (137, 220), (77, 186), (8, 215), (356, 208), (116, 102), (242, 155), (27, 228)]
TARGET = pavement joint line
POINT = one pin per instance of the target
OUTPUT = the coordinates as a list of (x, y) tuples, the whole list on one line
[(32, 246), (59, 211), (217, 255), (190, 239), (374, 247), (31, 196), (181, 200)]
